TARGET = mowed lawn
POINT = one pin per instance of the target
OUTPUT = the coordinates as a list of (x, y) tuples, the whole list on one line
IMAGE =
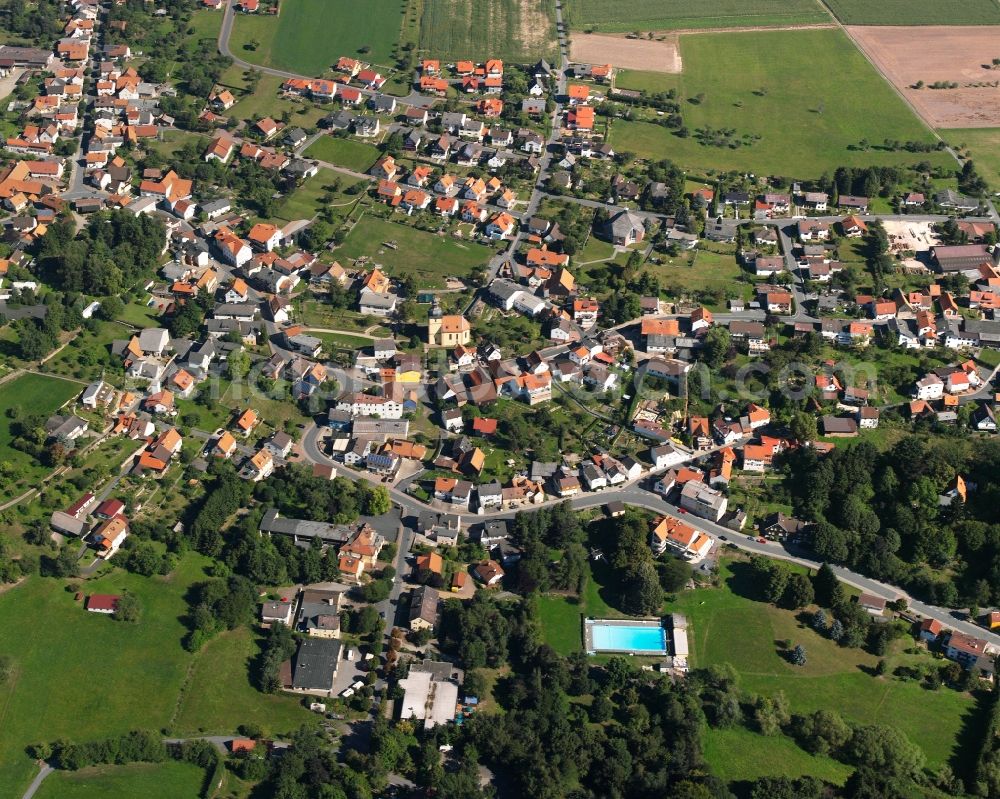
[(32, 393), (349, 153), (168, 780), (630, 15), (767, 84), (309, 36), (429, 257), (916, 12), (726, 627), (512, 30), (984, 147)]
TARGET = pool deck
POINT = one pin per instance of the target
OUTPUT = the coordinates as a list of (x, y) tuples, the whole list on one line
[(588, 635)]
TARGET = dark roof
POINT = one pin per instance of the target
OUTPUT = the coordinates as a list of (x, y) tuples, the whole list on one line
[(316, 664)]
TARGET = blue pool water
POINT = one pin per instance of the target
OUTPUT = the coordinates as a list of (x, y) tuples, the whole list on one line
[(631, 638)]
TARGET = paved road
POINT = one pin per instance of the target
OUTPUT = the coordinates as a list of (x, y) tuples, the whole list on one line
[(633, 494), (36, 783)]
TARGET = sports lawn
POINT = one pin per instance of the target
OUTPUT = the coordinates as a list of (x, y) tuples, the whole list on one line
[(83, 676), (630, 15), (309, 36), (35, 393), (766, 84), (429, 257), (512, 30), (168, 780), (984, 147), (916, 12), (727, 627), (349, 153)]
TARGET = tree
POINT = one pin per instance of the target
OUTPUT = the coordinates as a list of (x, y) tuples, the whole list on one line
[(644, 596), (798, 592), (803, 426), (798, 656), (128, 608), (238, 365), (819, 621), (716, 345), (823, 732), (836, 630), (826, 586), (885, 749), (674, 575), (378, 501)]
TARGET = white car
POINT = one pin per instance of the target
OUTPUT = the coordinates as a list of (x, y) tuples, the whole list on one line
[(347, 693)]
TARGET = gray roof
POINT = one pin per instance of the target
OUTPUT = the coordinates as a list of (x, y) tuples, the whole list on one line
[(370, 299), (424, 604), (303, 528), (153, 339), (316, 664)]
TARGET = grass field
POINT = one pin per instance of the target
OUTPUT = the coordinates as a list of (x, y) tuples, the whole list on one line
[(984, 147), (34, 393), (350, 153), (765, 84), (341, 340), (83, 675), (308, 199), (742, 755), (513, 30), (310, 35), (727, 627), (211, 704), (428, 257), (644, 15), (641, 81), (700, 269), (266, 100), (915, 12), (169, 780)]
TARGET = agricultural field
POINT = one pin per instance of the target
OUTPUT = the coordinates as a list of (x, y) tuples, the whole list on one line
[(728, 627), (660, 55), (34, 393), (168, 780), (765, 85), (513, 30), (429, 257), (302, 39), (915, 12), (349, 153), (983, 145), (649, 15), (958, 56)]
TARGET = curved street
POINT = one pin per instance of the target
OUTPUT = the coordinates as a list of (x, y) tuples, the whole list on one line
[(633, 494)]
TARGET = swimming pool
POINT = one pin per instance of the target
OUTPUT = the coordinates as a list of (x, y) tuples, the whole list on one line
[(635, 637)]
